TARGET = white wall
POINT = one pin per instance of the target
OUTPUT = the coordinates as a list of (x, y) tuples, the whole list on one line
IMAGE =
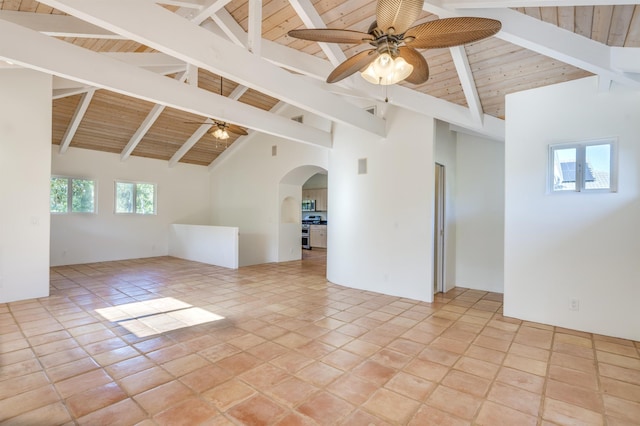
[(246, 194), (381, 224), (564, 246), (290, 225), (214, 245), (25, 146), (445, 154), (480, 213), (182, 195)]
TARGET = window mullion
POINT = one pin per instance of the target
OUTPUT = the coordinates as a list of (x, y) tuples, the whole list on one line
[(580, 167), (135, 198), (69, 195)]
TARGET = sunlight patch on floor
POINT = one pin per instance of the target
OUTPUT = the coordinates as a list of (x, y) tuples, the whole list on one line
[(157, 316)]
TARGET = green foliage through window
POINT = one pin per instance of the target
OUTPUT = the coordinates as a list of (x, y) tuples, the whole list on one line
[(138, 198), (72, 195)]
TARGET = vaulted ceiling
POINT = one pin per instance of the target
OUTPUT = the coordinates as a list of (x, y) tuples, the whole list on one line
[(144, 78)]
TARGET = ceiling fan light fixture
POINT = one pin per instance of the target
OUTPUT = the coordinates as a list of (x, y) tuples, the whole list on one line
[(385, 70), (221, 134)]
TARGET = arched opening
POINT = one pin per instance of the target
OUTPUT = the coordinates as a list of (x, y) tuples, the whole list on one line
[(292, 213)]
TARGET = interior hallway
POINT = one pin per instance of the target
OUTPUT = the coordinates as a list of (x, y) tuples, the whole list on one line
[(282, 346)]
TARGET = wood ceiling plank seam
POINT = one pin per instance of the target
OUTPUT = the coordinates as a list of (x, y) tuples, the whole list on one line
[(534, 12), (620, 23), (524, 59), (518, 83), (540, 71), (549, 15), (566, 18), (633, 37), (345, 15), (479, 53), (602, 16), (584, 21)]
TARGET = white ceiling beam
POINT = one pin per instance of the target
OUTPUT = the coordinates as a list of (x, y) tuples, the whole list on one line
[(231, 29), (318, 69), (53, 56), (57, 25), (238, 92), (192, 75), (182, 3), (198, 46), (481, 4), (254, 33), (278, 54), (461, 62), (193, 139), (65, 93), (147, 60), (545, 39), (81, 109), (312, 19), (211, 8), (142, 130), (625, 59)]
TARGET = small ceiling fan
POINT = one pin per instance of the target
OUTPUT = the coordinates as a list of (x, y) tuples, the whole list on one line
[(220, 129), (394, 56)]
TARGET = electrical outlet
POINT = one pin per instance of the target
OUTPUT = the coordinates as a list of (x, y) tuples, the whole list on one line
[(574, 304)]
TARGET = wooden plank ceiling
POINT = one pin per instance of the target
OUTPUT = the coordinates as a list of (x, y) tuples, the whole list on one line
[(498, 68)]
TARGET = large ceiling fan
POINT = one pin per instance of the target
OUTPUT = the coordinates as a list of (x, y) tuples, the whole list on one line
[(394, 56)]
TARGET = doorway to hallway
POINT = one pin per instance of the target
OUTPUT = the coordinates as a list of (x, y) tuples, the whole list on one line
[(438, 231)]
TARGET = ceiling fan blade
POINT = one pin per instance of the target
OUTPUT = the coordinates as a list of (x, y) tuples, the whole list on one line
[(397, 14), (351, 65), (236, 129), (450, 32), (328, 35), (420, 72)]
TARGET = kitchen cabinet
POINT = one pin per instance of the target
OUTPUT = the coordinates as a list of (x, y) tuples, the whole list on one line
[(321, 200), (318, 236), (318, 195)]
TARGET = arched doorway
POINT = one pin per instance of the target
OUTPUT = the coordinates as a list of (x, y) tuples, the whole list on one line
[(291, 214)]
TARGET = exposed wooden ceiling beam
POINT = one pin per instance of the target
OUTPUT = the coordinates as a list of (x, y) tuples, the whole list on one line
[(460, 60), (318, 69), (53, 56), (57, 25), (210, 8), (254, 33), (312, 19), (197, 46), (190, 142), (546, 39), (81, 109), (146, 124), (196, 4)]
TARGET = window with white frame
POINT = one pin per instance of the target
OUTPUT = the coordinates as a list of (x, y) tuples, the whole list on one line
[(72, 195), (135, 198), (588, 166)]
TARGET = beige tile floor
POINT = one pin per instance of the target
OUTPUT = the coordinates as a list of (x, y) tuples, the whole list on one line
[(170, 342)]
